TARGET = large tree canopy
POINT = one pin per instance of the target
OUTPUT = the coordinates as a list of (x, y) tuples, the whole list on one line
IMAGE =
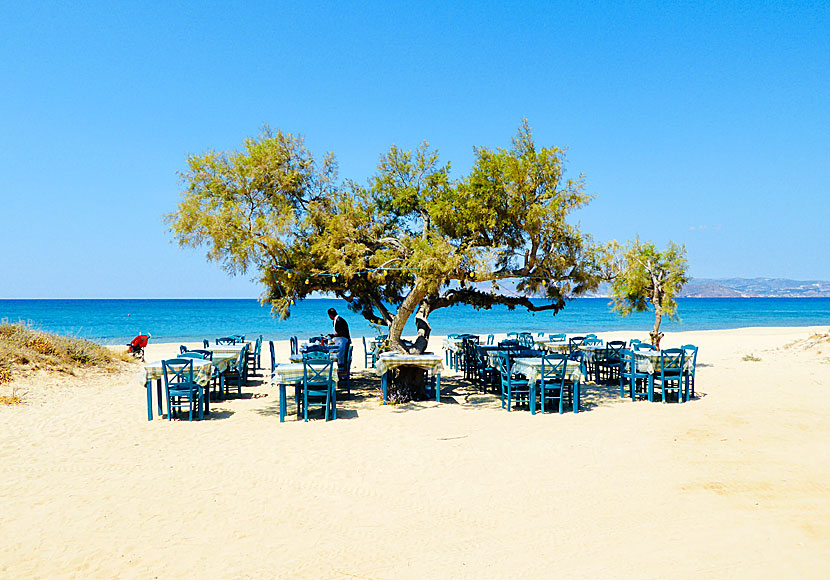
[(411, 241)]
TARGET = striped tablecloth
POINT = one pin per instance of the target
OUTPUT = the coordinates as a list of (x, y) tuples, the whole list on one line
[(648, 361), (532, 368), (202, 371), (389, 361), (553, 346), (292, 373), (227, 348)]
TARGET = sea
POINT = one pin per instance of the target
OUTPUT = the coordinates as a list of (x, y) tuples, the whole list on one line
[(117, 321)]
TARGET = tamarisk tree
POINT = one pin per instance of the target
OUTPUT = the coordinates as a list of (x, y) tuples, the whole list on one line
[(646, 277), (408, 243)]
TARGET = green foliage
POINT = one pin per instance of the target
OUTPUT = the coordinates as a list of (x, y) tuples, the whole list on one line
[(411, 241), (646, 277)]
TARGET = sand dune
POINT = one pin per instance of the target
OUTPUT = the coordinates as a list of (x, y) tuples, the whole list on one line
[(733, 484)]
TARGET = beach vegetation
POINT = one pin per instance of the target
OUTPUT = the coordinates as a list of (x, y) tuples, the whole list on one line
[(750, 358), (23, 349), (644, 277), (411, 241)]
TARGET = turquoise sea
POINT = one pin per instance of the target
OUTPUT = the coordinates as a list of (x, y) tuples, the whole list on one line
[(118, 321)]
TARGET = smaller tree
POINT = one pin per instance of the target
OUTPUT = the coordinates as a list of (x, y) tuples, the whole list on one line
[(643, 276)]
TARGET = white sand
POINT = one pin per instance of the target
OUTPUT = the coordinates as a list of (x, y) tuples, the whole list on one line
[(733, 485)]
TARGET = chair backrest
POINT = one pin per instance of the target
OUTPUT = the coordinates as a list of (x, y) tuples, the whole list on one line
[(295, 348), (192, 354), (238, 337), (592, 341), (574, 343), (273, 357), (613, 349), (206, 354), (644, 346), (225, 340), (590, 335), (504, 365), (634, 341), (671, 361), (258, 346), (317, 370), (554, 367), (182, 349), (177, 371), (526, 339), (557, 337), (490, 339), (509, 344), (691, 354)]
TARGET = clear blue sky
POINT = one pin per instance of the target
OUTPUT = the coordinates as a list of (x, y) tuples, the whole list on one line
[(703, 123)]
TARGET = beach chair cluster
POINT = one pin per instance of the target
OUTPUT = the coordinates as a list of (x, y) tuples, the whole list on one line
[(545, 371)]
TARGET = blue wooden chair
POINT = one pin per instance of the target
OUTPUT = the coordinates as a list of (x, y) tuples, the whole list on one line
[(639, 383), (370, 357), (192, 354), (557, 337), (609, 364), (238, 375), (671, 376), (226, 340), (526, 339), (574, 343), (690, 351), (273, 357), (491, 338), (644, 346), (295, 345), (205, 343), (553, 380), (238, 337), (318, 386), (182, 349), (513, 387), (182, 392)]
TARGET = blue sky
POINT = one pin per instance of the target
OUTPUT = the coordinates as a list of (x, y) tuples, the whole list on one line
[(703, 123)]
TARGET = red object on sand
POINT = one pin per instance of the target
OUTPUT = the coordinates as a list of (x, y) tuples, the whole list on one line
[(137, 345)]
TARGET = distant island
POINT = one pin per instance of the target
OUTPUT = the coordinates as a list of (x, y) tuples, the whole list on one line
[(747, 288), (755, 288)]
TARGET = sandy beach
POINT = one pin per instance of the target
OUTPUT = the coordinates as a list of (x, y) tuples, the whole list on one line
[(734, 484)]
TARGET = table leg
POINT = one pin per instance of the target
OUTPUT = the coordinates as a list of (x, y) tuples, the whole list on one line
[(437, 387), (158, 396), (148, 384), (576, 397), (206, 394), (282, 403), (383, 379)]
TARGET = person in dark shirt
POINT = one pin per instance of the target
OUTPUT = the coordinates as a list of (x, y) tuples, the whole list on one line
[(340, 337)]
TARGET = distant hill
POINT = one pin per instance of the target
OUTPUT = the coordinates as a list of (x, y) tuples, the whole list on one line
[(756, 288), (725, 288)]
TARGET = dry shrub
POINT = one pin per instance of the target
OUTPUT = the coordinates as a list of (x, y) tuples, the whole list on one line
[(23, 348)]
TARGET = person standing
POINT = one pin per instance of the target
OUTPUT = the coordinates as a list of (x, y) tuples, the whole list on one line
[(340, 337)]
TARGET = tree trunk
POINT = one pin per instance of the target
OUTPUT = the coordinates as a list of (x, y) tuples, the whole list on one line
[(410, 303)]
